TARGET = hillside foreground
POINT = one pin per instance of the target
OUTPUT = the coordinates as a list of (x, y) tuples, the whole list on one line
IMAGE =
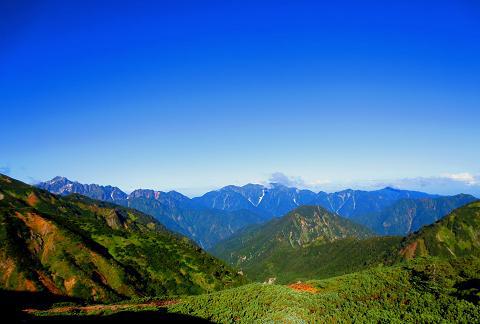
[(421, 290)]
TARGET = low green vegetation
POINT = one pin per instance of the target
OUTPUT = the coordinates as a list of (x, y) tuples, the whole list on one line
[(322, 261), (456, 235), (425, 290), (79, 247)]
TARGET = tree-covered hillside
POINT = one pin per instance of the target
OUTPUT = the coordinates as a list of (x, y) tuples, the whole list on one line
[(456, 235), (94, 250), (429, 290), (307, 242)]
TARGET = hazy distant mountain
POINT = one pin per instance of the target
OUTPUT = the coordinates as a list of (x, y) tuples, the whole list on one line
[(272, 201), (352, 203), (277, 200), (63, 186), (218, 214), (409, 215)]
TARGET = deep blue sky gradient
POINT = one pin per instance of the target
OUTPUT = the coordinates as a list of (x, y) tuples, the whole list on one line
[(189, 96)]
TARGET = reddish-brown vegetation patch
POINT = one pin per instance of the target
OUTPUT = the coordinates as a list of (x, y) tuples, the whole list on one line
[(32, 199), (30, 285), (102, 308), (303, 287), (7, 266), (408, 252), (69, 284), (48, 283)]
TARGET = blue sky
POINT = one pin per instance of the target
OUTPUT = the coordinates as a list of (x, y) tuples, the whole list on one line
[(178, 95)]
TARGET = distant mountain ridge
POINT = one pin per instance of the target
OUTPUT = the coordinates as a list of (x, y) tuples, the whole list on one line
[(63, 186), (409, 215), (273, 201), (218, 214), (277, 200)]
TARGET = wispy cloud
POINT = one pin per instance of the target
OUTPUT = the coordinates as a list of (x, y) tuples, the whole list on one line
[(448, 183), (445, 180), (282, 178), (464, 177), (295, 181)]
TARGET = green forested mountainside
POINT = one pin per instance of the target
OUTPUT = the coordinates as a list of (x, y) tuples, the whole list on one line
[(308, 232), (409, 215), (94, 250), (424, 291), (306, 225), (429, 290), (456, 235), (268, 252), (285, 265)]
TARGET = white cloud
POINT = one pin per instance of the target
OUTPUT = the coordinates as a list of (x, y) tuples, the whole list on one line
[(289, 181), (295, 181), (448, 184), (464, 177)]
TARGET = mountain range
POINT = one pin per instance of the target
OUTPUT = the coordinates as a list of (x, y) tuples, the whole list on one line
[(218, 214), (277, 200), (311, 242), (177, 212), (409, 215), (325, 266)]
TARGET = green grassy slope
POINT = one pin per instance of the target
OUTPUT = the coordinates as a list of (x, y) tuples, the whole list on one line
[(84, 248), (322, 261), (421, 291), (456, 235)]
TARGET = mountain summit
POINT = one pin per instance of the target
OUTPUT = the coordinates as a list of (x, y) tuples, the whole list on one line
[(304, 227)]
